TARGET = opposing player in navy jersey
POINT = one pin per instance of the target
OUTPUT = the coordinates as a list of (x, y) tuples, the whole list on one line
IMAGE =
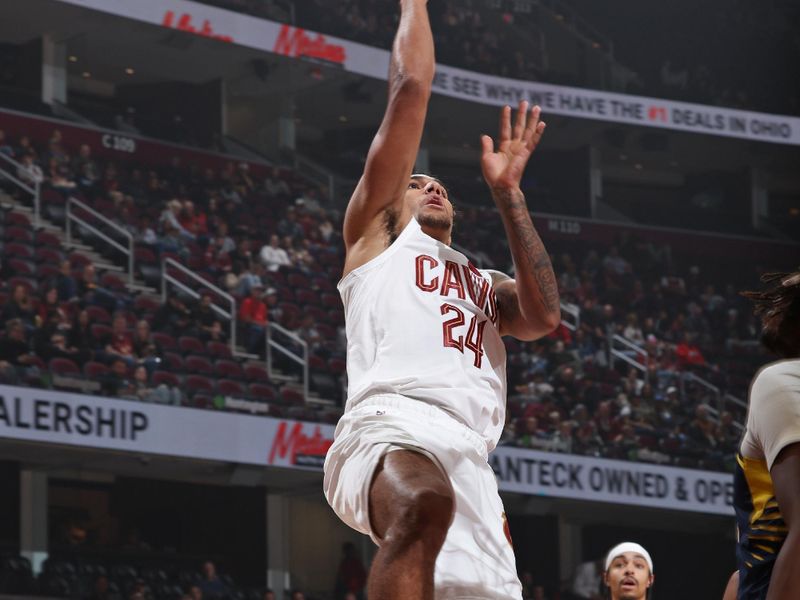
[(767, 475)]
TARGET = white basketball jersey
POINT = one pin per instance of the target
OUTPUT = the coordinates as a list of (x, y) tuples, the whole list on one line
[(422, 321)]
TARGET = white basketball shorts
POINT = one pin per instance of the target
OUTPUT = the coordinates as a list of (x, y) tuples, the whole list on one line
[(477, 559)]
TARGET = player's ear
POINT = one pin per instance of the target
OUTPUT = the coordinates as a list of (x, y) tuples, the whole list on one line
[(651, 580)]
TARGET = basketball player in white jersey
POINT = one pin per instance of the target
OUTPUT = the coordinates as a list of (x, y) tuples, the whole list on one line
[(629, 572), (426, 362)]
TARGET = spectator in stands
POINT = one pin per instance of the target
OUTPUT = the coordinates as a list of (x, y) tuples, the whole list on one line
[(195, 592), (65, 282), (300, 256), (26, 147), (20, 306), (204, 318), (59, 177), (275, 185), (351, 576), (146, 350), (193, 221), (120, 343), (16, 355), (289, 226), (269, 594), (688, 354), (211, 585), (85, 167), (588, 580), (223, 242), (253, 317), (118, 381), (173, 316), (80, 334), (48, 305), (5, 147), (29, 172), (298, 595), (273, 256), (170, 220), (58, 348), (93, 293), (143, 390), (101, 590)]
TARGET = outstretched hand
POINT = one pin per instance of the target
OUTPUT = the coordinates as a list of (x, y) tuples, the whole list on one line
[(503, 168)]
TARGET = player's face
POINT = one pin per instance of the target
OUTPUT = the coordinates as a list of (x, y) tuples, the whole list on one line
[(629, 577), (429, 203)]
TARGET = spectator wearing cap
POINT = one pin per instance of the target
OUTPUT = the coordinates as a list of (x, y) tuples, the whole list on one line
[(253, 317)]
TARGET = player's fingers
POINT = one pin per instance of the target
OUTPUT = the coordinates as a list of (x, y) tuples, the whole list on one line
[(522, 118), (505, 124), (533, 123), (487, 144), (537, 136)]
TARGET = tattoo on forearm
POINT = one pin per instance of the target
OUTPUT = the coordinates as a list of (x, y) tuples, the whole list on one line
[(532, 250)]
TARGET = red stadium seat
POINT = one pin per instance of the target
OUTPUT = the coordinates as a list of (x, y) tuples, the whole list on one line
[(45, 238), (21, 267), (19, 250), (18, 219), (18, 234), (100, 331), (77, 259), (198, 383), (228, 369), (45, 254), (191, 345), (95, 370), (227, 387), (198, 364), (174, 362), (256, 374), (262, 392), (166, 378), (292, 397), (218, 350), (98, 314), (63, 366), (165, 340)]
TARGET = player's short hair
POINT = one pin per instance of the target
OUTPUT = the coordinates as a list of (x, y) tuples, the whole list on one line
[(778, 307)]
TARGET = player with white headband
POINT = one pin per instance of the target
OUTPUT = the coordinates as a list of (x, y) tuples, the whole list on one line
[(628, 572)]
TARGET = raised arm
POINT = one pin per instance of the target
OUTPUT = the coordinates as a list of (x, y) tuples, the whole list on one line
[(394, 150), (529, 306)]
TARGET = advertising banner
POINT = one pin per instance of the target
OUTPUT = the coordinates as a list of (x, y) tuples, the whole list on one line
[(48, 416), (261, 34)]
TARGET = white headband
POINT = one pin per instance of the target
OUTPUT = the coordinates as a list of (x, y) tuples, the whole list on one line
[(628, 547)]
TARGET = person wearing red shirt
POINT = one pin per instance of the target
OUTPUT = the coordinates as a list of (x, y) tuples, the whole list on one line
[(253, 316)]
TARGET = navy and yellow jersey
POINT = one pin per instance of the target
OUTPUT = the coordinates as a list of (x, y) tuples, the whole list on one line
[(773, 423), (760, 526)]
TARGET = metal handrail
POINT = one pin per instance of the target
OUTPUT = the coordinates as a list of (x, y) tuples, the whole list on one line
[(167, 278), (574, 311), (689, 376), (35, 191), (70, 217), (302, 361), (619, 354), (735, 400)]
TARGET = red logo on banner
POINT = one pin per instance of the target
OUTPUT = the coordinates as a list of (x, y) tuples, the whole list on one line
[(657, 113), (294, 42), (184, 23), (296, 442)]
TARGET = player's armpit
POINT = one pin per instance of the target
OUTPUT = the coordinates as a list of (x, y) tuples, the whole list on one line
[(512, 321), (785, 473)]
